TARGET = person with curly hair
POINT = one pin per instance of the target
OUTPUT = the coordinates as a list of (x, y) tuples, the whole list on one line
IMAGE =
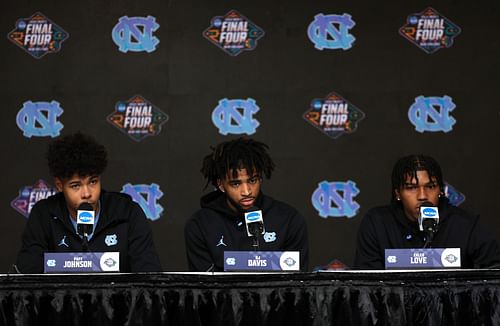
[(76, 162), (236, 169)]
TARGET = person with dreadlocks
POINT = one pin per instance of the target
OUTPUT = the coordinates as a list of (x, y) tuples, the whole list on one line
[(236, 169), (417, 179), (76, 162)]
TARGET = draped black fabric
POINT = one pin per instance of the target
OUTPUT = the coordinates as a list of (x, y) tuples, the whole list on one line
[(340, 298)]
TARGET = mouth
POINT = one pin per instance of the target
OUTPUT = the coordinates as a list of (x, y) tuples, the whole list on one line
[(246, 202)]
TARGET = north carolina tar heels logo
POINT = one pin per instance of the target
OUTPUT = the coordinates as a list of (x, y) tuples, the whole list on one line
[(138, 118), (429, 30), (233, 33), (334, 115), (454, 196), (39, 119), (30, 195), (111, 240), (38, 35), (331, 32), (236, 116), (335, 199), (147, 197), (135, 34), (432, 114), (270, 236)]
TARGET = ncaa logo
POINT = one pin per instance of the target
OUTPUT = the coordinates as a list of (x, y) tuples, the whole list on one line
[(254, 216), (429, 212), (85, 217)]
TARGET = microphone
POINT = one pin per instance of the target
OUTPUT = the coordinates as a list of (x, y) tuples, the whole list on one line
[(428, 221), (254, 224), (85, 216)]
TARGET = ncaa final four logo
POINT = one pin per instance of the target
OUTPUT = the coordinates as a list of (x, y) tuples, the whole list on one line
[(233, 33), (429, 30), (38, 35), (137, 118), (334, 115)]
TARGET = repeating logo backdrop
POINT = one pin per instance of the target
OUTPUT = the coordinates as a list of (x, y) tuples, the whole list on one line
[(176, 80)]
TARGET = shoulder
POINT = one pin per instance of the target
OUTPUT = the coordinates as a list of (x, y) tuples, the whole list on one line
[(459, 215), (275, 207)]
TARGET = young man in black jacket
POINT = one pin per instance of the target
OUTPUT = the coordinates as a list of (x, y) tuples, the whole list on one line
[(417, 179), (76, 162), (236, 169)]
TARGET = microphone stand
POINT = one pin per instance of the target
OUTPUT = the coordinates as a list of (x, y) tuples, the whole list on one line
[(85, 243)]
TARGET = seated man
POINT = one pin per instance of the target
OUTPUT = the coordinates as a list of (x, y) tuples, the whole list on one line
[(417, 179), (77, 162), (236, 168)]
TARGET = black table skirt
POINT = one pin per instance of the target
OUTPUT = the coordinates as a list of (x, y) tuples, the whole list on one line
[(340, 298)]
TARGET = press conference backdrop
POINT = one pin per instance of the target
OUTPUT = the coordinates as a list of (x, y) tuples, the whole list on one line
[(338, 90)]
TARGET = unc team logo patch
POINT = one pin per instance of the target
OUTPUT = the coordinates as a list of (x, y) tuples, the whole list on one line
[(38, 35), (429, 30), (336, 199), (135, 34), (270, 236), (111, 240), (432, 114), (30, 195), (331, 32), (40, 119), (236, 116), (333, 115), (138, 118), (233, 33)]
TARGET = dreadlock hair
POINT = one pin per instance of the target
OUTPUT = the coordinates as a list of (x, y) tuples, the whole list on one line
[(76, 154), (409, 165), (237, 154)]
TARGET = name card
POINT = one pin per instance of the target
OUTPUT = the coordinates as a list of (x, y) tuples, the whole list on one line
[(261, 261), (418, 258), (81, 262)]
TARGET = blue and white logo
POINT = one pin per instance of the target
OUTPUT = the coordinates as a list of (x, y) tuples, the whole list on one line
[(111, 240), (135, 34), (432, 114), (39, 119), (236, 116), (231, 261), (454, 196), (253, 216), (331, 32), (270, 236), (392, 259), (51, 262), (85, 217), (147, 197), (429, 211), (335, 199)]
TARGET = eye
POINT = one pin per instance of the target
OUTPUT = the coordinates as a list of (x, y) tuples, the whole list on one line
[(75, 187), (234, 184)]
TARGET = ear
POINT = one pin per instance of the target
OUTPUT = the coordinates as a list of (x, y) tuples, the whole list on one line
[(220, 186), (59, 184), (397, 193)]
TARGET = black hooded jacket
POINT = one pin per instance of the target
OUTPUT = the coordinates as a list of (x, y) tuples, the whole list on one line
[(388, 227), (49, 230), (216, 228)]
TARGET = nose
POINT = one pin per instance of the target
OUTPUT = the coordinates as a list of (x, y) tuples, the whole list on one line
[(85, 192), (246, 190), (422, 194)]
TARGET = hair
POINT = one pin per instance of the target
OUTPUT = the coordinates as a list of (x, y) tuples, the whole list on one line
[(409, 165), (76, 154), (230, 156)]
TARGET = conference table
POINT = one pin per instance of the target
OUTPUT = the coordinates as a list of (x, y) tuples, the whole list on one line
[(440, 297)]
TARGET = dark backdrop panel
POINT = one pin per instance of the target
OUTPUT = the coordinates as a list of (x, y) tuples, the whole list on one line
[(186, 76)]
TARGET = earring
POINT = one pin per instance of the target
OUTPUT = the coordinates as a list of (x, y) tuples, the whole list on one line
[(398, 198)]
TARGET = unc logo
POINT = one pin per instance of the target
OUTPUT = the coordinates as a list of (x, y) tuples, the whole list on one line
[(228, 111), (136, 34), (323, 26), (328, 193), (51, 263), (392, 259), (40, 119), (270, 236), (231, 261), (111, 240), (152, 192), (454, 196), (436, 109)]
